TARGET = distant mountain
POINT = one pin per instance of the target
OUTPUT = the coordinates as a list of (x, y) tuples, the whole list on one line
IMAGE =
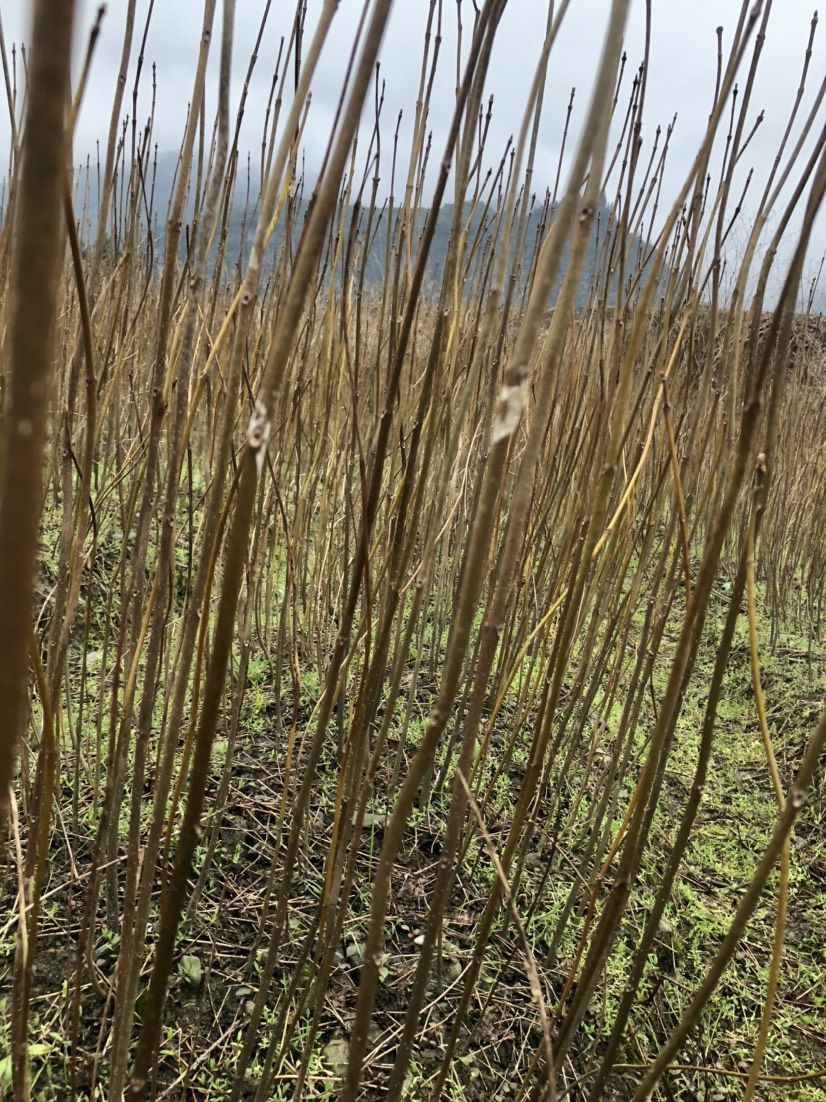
[(240, 231), (243, 215)]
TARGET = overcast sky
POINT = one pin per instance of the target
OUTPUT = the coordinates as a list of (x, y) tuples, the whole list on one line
[(681, 76)]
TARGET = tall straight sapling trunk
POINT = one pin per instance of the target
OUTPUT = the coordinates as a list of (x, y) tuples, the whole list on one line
[(35, 274)]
